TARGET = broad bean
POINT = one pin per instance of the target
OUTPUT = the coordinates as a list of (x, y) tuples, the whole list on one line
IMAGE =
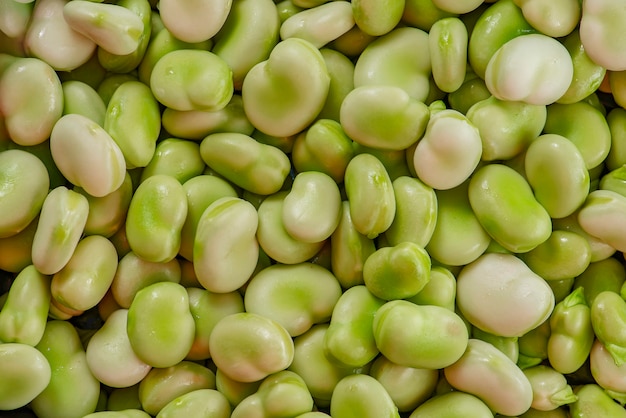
[(26, 373)]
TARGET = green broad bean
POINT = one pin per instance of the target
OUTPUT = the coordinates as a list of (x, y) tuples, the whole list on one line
[(614, 181), (87, 155), (472, 91), (557, 19), (407, 386), (394, 161), (587, 74), (505, 206), (310, 362), (498, 24), (112, 27), (511, 305), (557, 172), (15, 251), (416, 212), (126, 413), (458, 237), (25, 311), (124, 398), (450, 405), (400, 59), (448, 41), (438, 336), (601, 216), (341, 71), (296, 296), (162, 385), (88, 274), (594, 401), (129, 62), (617, 153), (575, 122), (192, 79), (423, 14), (564, 255), (248, 347), (133, 120), (608, 317), (15, 19), (600, 35), (487, 373), (155, 217), (383, 116), (24, 183), (31, 100), (320, 24), (160, 325), (79, 97), (283, 143), (91, 73), (508, 345), (70, 49), (561, 288), (26, 373), (201, 192), (249, 164), (608, 274), (274, 239), (397, 272), (349, 341), (312, 208), (207, 308), (353, 42), (61, 223), (234, 390), (550, 388), (198, 124), (599, 249), (349, 250), (189, 22), (375, 18), (111, 82), (110, 356), (370, 194), (506, 128), (439, 291), (201, 403), (281, 394), (361, 396), (133, 273), (248, 35), (178, 158), (272, 96), (555, 413), (539, 61), (449, 151), (533, 346), (62, 347), (606, 373)]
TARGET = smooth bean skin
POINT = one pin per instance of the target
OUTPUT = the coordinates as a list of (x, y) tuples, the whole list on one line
[(31, 98), (235, 391), (121, 399), (273, 97), (587, 74), (61, 223), (273, 237), (178, 158), (23, 194), (133, 273), (248, 347), (507, 345), (617, 154), (601, 216), (506, 207), (201, 403), (398, 58), (110, 356), (594, 401), (341, 71), (281, 394), (506, 128), (361, 396), (26, 373), (550, 388), (377, 19), (608, 319), (312, 208), (192, 79), (62, 347), (564, 255), (319, 25), (440, 289), (155, 217), (163, 385), (450, 405), (242, 160), (79, 97), (24, 313), (564, 16), (112, 27), (438, 339), (600, 250), (15, 251), (602, 41), (197, 21), (572, 334), (448, 41), (296, 296), (349, 250), (607, 274), (125, 413), (605, 372), (407, 386), (160, 326), (133, 120), (487, 373), (349, 341)]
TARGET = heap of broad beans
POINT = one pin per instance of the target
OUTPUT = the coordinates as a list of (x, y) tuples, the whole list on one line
[(311, 208)]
